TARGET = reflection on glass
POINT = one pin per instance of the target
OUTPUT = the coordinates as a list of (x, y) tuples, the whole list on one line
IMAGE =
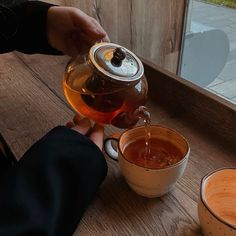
[(209, 54)]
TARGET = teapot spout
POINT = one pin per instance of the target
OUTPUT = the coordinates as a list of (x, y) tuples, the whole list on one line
[(130, 119), (142, 113)]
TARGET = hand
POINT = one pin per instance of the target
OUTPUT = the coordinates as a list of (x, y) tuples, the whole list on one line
[(84, 126), (71, 31)]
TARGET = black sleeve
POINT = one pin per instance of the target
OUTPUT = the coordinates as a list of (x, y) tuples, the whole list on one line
[(47, 192), (23, 27)]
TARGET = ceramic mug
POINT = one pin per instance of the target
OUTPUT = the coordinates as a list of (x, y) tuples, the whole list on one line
[(217, 203), (148, 182)]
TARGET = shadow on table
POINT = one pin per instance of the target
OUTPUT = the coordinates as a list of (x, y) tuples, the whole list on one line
[(119, 209)]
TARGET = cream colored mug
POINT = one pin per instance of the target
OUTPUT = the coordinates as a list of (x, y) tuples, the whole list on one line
[(148, 182), (217, 202)]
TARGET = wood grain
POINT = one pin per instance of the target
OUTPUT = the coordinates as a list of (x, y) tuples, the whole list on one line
[(32, 102), (49, 70), (28, 108), (152, 29)]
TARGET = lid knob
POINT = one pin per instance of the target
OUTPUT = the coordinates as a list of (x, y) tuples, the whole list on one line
[(119, 55), (116, 63)]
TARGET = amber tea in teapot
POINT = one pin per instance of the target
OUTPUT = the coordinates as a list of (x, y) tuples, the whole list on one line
[(107, 86)]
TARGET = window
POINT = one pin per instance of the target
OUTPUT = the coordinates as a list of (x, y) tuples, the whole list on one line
[(209, 52)]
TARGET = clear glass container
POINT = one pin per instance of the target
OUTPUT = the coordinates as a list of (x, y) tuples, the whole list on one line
[(107, 85)]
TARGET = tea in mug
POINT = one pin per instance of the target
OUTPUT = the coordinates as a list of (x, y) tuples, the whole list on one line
[(161, 153)]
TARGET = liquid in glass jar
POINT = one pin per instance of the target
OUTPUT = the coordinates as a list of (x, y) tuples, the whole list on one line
[(105, 88)]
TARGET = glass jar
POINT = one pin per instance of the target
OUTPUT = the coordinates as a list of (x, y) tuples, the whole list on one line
[(107, 85)]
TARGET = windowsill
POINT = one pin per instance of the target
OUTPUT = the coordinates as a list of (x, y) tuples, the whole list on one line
[(192, 103)]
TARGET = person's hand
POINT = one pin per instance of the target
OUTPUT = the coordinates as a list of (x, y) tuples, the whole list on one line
[(84, 126), (71, 31)]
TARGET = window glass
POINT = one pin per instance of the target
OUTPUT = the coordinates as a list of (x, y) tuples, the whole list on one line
[(209, 52)]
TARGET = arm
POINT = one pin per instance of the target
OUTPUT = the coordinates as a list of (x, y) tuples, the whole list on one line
[(38, 27), (48, 191), (23, 27)]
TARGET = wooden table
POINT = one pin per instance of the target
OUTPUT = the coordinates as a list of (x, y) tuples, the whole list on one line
[(32, 102)]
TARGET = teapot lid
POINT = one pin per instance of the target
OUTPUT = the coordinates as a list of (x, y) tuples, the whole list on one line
[(116, 62)]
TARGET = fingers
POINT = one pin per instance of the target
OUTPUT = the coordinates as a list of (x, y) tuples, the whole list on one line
[(105, 38), (96, 135), (89, 25), (70, 124), (76, 118), (82, 42), (80, 125), (84, 126)]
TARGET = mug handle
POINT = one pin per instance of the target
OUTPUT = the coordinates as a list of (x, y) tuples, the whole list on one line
[(109, 149)]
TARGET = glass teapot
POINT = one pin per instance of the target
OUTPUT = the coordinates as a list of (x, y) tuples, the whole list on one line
[(107, 85)]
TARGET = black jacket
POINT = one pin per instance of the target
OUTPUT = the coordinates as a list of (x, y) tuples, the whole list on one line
[(23, 27), (48, 190)]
